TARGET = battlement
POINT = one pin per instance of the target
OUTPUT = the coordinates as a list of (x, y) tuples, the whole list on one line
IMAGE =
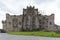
[(30, 7)]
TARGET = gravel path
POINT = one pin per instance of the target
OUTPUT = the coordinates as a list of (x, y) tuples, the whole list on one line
[(4, 36)]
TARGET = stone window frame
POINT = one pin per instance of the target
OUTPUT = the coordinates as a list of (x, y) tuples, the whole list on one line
[(39, 21), (20, 23), (9, 23), (15, 21), (40, 26), (46, 26), (47, 21), (50, 23), (43, 22), (56, 27)]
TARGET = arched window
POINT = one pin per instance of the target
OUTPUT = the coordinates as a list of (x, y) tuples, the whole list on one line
[(39, 21), (27, 20), (15, 23), (50, 23), (19, 23), (33, 23)]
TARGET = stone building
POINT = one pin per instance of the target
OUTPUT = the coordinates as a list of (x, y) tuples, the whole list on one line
[(31, 20)]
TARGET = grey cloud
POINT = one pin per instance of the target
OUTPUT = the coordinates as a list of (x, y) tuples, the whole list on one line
[(58, 4), (4, 8), (42, 1)]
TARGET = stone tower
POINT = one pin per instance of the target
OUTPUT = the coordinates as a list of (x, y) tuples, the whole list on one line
[(30, 18)]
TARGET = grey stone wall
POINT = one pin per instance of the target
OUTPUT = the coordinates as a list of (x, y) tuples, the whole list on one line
[(30, 20)]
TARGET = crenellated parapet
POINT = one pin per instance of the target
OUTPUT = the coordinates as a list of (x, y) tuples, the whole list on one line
[(30, 10)]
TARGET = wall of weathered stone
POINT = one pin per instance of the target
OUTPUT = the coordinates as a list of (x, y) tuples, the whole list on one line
[(9, 22), (41, 22)]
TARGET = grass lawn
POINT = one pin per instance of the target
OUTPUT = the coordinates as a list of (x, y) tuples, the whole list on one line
[(46, 34)]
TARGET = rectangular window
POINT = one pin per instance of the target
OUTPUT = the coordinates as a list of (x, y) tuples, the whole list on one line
[(39, 21), (39, 26), (46, 26), (50, 23), (47, 21), (10, 23), (56, 27), (43, 22), (20, 23)]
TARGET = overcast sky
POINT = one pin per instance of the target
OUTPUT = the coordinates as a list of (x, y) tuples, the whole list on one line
[(15, 7)]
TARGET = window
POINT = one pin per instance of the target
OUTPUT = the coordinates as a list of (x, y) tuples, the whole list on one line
[(56, 27), (20, 23), (46, 18), (27, 20), (50, 23), (43, 17), (43, 22), (9, 22), (39, 21), (46, 26), (39, 26), (47, 21), (15, 23), (33, 22)]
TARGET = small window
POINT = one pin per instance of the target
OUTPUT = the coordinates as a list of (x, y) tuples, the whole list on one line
[(47, 21), (50, 23), (39, 26), (56, 27), (46, 26), (9, 22), (43, 22), (39, 21), (20, 23)]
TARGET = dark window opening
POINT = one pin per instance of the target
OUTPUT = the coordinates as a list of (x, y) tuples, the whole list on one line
[(47, 21), (46, 26), (9, 22), (15, 23), (39, 21), (39, 26), (50, 23), (20, 23), (56, 27), (43, 22)]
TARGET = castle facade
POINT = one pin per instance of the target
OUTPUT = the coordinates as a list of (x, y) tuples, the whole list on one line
[(31, 20)]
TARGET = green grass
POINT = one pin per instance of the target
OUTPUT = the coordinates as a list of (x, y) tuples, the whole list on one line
[(46, 34)]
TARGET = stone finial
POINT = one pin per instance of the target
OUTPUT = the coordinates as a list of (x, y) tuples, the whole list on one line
[(27, 6), (30, 7), (2, 21)]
